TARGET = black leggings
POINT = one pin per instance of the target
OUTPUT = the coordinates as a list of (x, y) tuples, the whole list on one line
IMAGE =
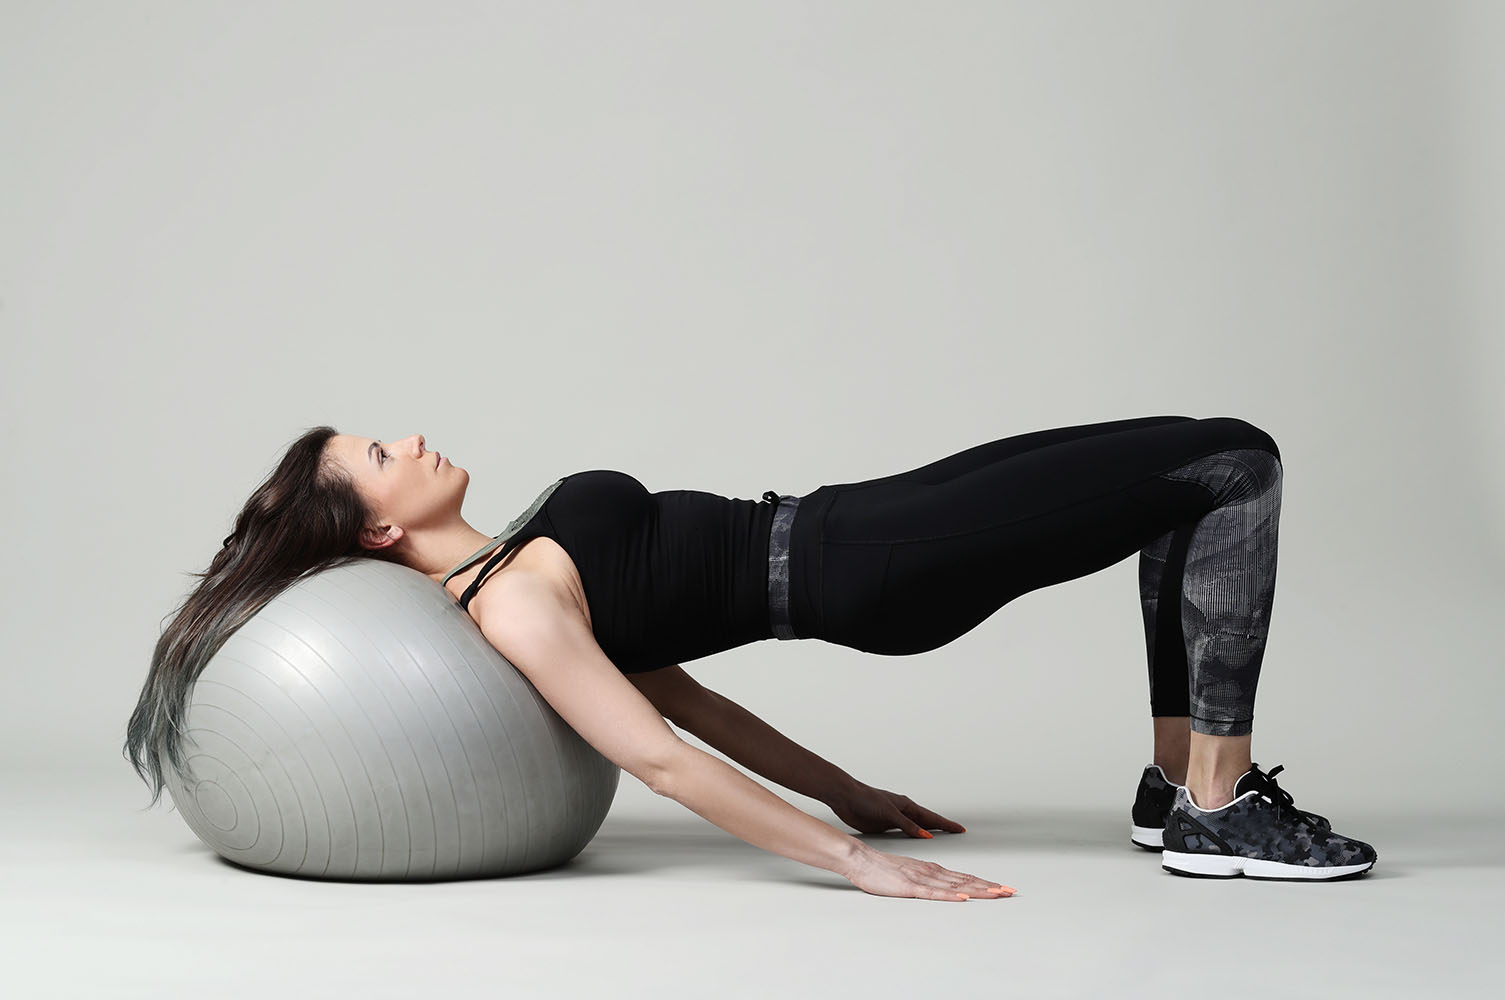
[(906, 563)]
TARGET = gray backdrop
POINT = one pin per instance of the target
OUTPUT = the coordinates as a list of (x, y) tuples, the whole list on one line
[(740, 247)]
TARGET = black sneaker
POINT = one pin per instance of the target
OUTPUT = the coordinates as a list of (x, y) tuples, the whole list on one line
[(1152, 804), (1152, 807), (1260, 834)]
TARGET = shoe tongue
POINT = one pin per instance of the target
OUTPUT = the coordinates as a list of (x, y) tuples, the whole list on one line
[(1250, 781)]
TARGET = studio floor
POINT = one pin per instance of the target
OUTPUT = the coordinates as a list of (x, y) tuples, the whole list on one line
[(102, 900)]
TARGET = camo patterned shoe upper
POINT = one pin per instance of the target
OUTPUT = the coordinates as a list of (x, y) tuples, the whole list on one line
[(1152, 806), (1260, 834)]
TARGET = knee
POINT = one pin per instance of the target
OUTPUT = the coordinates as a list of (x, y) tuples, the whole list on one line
[(1241, 433)]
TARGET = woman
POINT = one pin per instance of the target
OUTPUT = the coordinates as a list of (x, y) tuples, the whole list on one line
[(600, 591)]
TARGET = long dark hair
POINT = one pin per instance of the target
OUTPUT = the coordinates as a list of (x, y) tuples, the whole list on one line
[(306, 516)]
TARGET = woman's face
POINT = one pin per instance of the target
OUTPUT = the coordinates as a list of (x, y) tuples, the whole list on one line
[(404, 483)]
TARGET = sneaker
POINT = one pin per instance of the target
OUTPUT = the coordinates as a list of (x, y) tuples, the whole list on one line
[(1152, 804), (1260, 834), (1152, 807)]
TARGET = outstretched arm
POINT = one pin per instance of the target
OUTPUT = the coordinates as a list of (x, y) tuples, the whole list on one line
[(756, 745), (540, 631), (742, 736), (759, 747)]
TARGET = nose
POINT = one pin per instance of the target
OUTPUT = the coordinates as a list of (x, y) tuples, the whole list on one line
[(411, 441)]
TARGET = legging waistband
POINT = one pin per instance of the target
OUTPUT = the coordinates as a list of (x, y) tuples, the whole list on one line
[(779, 535)]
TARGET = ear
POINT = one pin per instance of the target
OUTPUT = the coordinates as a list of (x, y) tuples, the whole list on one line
[(380, 538)]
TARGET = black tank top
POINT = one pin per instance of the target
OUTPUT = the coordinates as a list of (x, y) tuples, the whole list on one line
[(669, 577)]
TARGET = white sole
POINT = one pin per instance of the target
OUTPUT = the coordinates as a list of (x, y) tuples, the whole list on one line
[(1226, 866), (1147, 836)]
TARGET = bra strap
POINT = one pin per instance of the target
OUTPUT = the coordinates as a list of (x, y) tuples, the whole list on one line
[(474, 556), (475, 584), (511, 529)]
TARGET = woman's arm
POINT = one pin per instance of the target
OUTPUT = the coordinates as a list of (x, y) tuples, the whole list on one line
[(759, 747), (741, 806), (720, 793), (756, 745), (541, 632), (741, 735)]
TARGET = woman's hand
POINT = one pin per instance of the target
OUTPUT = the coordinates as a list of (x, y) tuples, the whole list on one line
[(873, 810), (895, 875)]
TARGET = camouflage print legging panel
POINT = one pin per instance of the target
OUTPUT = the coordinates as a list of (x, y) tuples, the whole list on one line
[(906, 563)]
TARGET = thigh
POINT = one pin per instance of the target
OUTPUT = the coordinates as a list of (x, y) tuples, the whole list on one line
[(1017, 485), (909, 566), (952, 466)]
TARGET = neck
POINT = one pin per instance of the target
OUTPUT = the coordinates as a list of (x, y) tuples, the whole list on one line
[(436, 551)]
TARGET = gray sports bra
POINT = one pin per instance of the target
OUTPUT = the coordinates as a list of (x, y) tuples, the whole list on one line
[(511, 529)]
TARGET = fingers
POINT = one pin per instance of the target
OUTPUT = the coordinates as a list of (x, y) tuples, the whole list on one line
[(943, 883), (929, 820), (914, 819), (980, 888)]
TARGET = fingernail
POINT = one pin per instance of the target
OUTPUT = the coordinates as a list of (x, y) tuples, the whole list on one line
[(963, 895), (927, 833)]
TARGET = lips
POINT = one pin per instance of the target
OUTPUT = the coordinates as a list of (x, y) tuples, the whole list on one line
[(437, 459)]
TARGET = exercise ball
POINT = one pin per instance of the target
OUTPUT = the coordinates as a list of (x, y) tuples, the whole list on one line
[(360, 727)]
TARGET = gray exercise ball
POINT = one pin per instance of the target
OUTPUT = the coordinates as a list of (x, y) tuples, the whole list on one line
[(360, 727)]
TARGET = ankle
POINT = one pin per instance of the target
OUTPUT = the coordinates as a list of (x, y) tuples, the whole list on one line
[(1172, 745), (1215, 765), (1211, 795), (1174, 771)]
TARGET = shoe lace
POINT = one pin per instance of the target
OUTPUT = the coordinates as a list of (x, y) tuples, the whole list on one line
[(1282, 799)]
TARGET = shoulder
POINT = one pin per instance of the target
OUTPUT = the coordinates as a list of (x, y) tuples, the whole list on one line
[(537, 561), (523, 597), (529, 616), (535, 623)]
